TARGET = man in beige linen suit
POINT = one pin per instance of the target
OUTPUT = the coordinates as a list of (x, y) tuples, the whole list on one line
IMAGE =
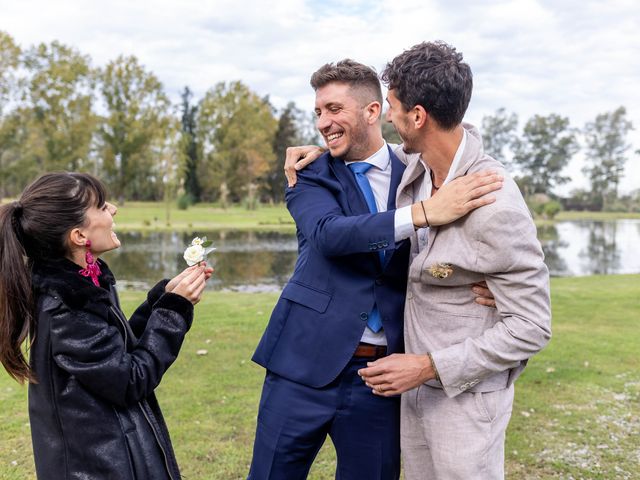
[(462, 358)]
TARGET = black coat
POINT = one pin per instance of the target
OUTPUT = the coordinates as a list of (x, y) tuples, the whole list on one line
[(93, 412)]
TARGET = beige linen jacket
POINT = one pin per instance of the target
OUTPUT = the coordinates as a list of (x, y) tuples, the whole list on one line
[(474, 347)]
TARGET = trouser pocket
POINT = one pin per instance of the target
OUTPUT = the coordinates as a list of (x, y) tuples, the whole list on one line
[(486, 403)]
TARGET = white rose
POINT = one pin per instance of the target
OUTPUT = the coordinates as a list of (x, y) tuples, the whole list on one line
[(197, 241), (194, 254)]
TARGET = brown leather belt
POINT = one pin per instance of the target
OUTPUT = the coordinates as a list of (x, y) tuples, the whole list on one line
[(372, 351)]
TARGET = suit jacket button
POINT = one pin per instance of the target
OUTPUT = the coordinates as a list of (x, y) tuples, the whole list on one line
[(379, 281), (364, 316)]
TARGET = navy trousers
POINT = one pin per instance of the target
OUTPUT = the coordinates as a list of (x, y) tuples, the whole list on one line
[(294, 421)]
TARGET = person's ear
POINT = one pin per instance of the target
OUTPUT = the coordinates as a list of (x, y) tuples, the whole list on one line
[(372, 112), (77, 238), (420, 116)]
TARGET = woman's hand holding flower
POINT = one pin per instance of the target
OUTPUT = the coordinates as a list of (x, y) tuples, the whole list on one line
[(190, 282)]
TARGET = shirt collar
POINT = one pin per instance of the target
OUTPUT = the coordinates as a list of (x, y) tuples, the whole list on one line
[(456, 158), (380, 159)]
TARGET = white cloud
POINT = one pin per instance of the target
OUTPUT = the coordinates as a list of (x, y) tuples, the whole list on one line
[(573, 58)]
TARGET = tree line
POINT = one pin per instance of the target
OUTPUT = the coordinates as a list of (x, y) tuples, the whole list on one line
[(540, 152), (59, 112)]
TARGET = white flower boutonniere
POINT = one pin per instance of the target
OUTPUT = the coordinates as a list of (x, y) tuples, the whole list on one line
[(197, 251), (441, 270)]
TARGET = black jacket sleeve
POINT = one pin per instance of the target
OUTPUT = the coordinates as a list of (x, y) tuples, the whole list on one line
[(88, 345), (138, 321)]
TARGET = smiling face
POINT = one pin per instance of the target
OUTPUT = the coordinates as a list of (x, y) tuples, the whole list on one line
[(99, 228), (342, 122), (400, 118)]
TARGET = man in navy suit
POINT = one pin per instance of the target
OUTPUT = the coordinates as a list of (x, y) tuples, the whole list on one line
[(343, 305)]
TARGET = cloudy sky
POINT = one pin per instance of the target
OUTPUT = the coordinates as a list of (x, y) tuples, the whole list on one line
[(573, 58)]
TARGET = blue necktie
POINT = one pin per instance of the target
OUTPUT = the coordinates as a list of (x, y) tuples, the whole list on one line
[(359, 170)]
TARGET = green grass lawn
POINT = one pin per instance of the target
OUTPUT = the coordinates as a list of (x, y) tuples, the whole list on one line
[(153, 216), (576, 415)]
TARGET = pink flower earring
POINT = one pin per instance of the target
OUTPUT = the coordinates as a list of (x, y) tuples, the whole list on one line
[(93, 269)]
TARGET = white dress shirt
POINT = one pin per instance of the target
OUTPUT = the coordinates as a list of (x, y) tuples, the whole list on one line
[(379, 177)]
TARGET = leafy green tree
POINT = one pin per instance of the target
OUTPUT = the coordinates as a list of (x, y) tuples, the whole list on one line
[(288, 134), (579, 199), (9, 90), (307, 130), (135, 129), (606, 148), (235, 133), (169, 162), (9, 63), (631, 201), (498, 134), (543, 151), (15, 172), (551, 209), (60, 96), (189, 146)]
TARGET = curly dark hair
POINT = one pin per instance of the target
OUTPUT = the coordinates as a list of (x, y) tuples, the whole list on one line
[(358, 76), (433, 75)]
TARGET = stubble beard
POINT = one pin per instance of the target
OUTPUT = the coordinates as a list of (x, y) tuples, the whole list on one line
[(407, 144), (359, 144), (408, 149)]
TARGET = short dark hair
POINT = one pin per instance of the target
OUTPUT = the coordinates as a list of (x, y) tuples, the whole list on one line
[(433, 75), (355, 74)]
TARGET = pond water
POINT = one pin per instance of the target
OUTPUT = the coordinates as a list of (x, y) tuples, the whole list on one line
[(243, 261), (263, 261)]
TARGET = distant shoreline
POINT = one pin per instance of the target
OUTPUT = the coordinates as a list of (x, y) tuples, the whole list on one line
[(152, 216)]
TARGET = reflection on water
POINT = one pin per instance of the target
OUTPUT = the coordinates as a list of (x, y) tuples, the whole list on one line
[(589, 248), (247, 261), (263, 261)]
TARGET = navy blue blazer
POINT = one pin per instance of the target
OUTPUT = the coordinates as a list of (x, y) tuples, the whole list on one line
[(321, 314)]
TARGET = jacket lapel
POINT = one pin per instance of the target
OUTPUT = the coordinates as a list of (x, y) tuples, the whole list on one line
[(472, 152), (397, 170), (356, 203), (407, 192)]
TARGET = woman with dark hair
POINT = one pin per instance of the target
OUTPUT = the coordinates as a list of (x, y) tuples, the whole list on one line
[(91, 373)]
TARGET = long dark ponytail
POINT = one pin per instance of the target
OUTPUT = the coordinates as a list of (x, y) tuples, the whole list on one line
[(35, 228)]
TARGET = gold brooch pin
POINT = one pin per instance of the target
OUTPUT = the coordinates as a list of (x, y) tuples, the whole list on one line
[(441, 270)]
